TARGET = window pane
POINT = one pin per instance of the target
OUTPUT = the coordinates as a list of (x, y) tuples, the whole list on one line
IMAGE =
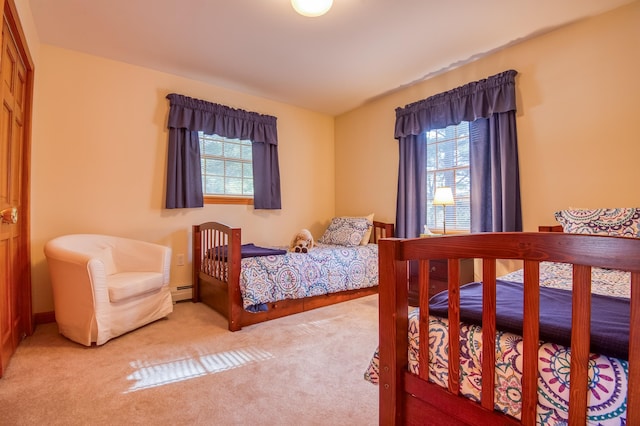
[(226, 165), (214, 167), (432, 163), (247, 172), (212, 147), (233, 186), (443, 178), (431, 216), (233, 169), (449, 132), (462, 156), (232, 150), (463, 183), (247, 188), (461, 217), (447, 164), (214, 185), (246, 152), (447, 155)]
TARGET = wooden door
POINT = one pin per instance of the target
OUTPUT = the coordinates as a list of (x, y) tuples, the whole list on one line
[(15, 271)]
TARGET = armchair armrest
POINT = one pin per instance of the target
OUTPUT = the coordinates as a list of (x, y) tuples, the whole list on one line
[(73, 293)]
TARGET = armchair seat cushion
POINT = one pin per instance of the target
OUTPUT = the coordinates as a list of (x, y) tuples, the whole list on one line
[(126, 285)]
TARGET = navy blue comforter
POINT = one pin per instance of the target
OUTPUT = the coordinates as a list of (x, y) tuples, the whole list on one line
[(246, 250), (609, 315), (252, 250)]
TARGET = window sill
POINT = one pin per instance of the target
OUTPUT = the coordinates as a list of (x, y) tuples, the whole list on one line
[(228, 200), (438, 232)]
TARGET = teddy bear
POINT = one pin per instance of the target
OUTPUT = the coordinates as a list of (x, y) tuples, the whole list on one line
[(302, 242)]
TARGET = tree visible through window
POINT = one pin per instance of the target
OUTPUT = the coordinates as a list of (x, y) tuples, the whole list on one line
[(448, 165), (226, 166)]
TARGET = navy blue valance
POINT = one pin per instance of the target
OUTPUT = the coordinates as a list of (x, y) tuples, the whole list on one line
[(215, 119), (479, 99)]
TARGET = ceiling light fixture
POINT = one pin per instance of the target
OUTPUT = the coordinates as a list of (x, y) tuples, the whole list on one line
[(312, 8)]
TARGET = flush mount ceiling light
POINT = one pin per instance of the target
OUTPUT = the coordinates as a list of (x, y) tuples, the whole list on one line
[(312, 8)]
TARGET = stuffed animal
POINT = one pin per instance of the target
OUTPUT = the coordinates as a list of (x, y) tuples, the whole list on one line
[(302, 242)]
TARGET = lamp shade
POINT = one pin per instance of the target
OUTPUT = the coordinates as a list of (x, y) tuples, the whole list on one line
[(312, 8), (443, 196)]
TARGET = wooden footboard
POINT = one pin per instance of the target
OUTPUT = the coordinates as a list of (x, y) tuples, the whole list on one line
[(406, 398), (216, 263), (216, 277)]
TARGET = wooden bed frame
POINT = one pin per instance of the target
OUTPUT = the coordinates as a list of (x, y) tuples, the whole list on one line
[(222, 291), (406, 398)]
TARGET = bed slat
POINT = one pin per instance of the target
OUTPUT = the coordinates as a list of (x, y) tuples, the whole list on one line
[(488, 331), (531, 333), (423, 279), (580, 341), (454, 328)]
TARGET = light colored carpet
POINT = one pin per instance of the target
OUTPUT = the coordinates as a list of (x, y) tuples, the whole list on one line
[(305, 369)]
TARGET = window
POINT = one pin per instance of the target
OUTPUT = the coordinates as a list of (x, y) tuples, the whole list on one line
[(448, 165), (227, 169)]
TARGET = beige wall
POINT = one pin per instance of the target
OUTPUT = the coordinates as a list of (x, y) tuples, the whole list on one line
[(99, 142), (578, 92), (99, 158)]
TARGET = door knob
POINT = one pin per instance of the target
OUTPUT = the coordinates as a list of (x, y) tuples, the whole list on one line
[(9, 215)]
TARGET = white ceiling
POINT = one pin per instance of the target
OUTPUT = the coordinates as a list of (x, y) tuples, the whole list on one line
[(330, 64)]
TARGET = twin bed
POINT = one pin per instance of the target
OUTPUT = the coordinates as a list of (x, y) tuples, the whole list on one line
[(249, 284), (569, 353)]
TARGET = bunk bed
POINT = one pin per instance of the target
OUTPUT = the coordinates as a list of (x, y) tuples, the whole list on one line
[(424, 365)]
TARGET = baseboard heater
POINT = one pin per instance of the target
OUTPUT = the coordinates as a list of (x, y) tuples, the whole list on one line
[(182, 292)]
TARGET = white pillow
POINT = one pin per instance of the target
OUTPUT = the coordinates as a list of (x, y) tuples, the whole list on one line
[(367, 235)]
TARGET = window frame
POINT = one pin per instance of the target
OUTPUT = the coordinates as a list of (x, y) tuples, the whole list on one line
[(223, 198)]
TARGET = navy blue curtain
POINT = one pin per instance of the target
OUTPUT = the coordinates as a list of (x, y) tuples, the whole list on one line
[(188, 116), (481, 99), (410, 215), (495, 176)]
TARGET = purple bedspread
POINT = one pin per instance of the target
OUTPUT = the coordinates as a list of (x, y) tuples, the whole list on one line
[(609, 315), (251, 250), (246, 250)]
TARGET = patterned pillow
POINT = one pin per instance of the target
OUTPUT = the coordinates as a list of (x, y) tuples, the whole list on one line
[(346, 231), (623, 222)]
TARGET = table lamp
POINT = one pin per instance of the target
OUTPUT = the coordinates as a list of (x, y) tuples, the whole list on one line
[(443, 197)]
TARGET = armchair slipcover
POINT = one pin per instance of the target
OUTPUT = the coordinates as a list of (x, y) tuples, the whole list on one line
[(104, 286)]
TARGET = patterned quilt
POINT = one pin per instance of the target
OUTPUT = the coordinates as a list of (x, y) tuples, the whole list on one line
[(607, 282), (607, 375), (324, 269)]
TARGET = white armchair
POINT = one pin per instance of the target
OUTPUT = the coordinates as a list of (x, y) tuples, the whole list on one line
[(104, 286)]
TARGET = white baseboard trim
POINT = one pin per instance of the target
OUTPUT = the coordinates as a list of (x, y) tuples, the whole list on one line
[(180, 293)]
